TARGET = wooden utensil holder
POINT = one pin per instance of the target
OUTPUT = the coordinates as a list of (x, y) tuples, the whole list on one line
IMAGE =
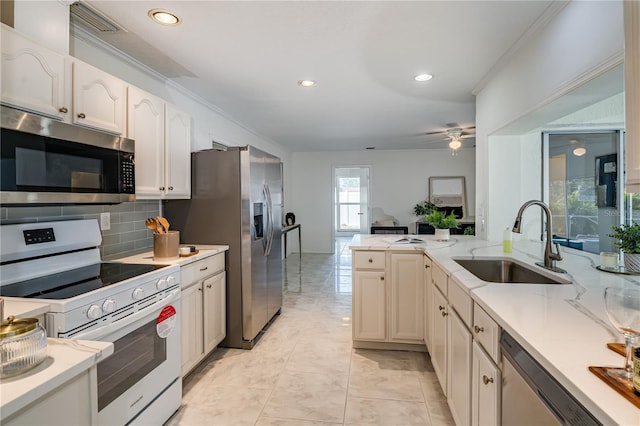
[(165, 246)]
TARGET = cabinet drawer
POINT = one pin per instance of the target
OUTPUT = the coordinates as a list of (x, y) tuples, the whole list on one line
[(368, 259), (486, 331), (439, 278), (460, 301), (200, 269)]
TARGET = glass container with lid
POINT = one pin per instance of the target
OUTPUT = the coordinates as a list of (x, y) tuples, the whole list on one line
[(23, 345)]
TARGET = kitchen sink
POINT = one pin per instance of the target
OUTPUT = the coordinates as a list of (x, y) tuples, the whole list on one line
[(506, 270)]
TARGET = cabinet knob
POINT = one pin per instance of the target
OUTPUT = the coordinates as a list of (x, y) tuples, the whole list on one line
[(486, 380), (81, 115), (204, 269), (478, 329), (208, 285), (427, 266), (381, 278), (440, 308), (171, 188), (444, 313), (161, 188), (370, 260), (199, 288), (63, 110)]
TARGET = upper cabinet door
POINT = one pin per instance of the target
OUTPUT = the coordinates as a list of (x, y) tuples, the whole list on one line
[(177, 153), (146, 128), (32, 76), (98, 99)]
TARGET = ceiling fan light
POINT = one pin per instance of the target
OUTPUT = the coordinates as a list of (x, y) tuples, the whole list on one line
[(579, 152), (423, 77), (455, 144)]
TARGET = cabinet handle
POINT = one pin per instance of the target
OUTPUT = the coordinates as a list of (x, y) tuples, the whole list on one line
[(478, 329), (63, 110), (208, 285), (370, 260), (81, 115), (204, 269), (444, 313), (171, 188), (440, 308), (486, 380), (381, 278), (161, 188), (427, 266)]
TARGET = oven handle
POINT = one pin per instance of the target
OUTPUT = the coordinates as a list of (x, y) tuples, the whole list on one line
[(115, 326)]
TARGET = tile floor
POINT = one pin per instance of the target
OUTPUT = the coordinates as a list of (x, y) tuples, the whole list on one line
[(303, 371)]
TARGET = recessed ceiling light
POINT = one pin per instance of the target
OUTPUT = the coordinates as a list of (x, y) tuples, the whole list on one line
[(307, 83), (164, 17), (423, 77)]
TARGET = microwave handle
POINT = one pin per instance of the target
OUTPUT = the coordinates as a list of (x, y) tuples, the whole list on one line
[(115, 326)]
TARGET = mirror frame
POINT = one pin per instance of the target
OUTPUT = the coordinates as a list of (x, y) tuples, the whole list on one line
[(448, 199)]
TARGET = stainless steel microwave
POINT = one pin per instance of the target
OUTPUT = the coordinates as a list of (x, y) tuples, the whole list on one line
[(45, 161)]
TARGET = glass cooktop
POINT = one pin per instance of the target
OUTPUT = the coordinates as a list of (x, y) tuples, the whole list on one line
[(65, 285)]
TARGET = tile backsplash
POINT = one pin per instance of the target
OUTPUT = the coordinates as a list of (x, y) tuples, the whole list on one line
[(127, 234)]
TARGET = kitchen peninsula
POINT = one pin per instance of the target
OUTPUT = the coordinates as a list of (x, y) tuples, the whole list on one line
[(564, 326)]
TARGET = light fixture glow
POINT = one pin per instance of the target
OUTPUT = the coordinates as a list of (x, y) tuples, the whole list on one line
[(423, 77), (455, 144), (307, 83), (164, 17), (579, 152)]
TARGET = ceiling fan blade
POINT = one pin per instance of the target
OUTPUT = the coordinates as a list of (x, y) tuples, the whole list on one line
[(434, 133), (452, 125), (467, 136)]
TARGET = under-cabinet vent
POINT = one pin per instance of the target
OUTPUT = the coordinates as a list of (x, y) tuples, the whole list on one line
[(218, 146), (91, 18)]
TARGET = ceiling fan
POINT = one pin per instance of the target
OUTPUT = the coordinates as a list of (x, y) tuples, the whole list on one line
[(455, 134)]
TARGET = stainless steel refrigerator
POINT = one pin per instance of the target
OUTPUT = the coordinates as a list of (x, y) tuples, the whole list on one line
[(236, 199)]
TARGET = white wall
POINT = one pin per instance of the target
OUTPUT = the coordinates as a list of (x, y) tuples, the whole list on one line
[(399, 180), (580, 42)]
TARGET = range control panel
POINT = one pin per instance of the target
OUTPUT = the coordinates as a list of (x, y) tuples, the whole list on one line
[(37, 236)]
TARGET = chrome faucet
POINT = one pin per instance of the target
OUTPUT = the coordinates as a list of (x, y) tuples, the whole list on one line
[(550, 257)]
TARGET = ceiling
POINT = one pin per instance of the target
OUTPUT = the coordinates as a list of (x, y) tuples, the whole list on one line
[(247, 57)]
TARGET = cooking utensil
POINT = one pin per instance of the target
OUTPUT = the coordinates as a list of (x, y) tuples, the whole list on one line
[(154, 225), (164, 222), (23, 345)]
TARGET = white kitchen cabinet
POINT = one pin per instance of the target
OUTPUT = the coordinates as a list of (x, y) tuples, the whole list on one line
[(177, 161), (388, 297), (192, 326), (485, 389), (406, 297), (99, 99), (215, 318), (439, 332), (427, 301), (459, 372), (163, 146), (632, 94), (369, 306), (33, 77), (203, 309), (145, 125)]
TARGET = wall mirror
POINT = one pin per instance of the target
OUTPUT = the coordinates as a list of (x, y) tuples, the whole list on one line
[(449, 194)]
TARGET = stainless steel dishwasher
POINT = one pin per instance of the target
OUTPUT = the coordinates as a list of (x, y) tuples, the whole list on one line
[(531, 396)]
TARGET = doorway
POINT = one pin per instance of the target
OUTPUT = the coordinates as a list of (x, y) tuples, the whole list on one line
[(351, 200), (583, 189)]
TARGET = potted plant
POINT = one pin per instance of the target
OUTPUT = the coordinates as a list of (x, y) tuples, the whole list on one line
[(441, 223), (627, 239), (424, 208)]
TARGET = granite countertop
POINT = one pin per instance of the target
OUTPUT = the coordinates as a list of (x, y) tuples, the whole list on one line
[(65, 360), (565, 327)]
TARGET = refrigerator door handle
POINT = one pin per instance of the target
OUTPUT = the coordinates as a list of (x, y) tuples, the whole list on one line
[(269, 233)]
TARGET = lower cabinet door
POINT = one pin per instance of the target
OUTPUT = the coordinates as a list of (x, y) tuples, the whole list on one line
[(214, 311), (192, 333), (439, 325), (369, 306), (459, 386), (405, 298), (485, 389)]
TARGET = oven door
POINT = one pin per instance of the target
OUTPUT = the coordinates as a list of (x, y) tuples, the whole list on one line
[(145, 363)]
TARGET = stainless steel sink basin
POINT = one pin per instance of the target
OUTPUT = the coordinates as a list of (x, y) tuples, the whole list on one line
[(506, 270)]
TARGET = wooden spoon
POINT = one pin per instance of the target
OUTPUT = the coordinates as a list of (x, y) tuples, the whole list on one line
[(151, 224), (164, 223)]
